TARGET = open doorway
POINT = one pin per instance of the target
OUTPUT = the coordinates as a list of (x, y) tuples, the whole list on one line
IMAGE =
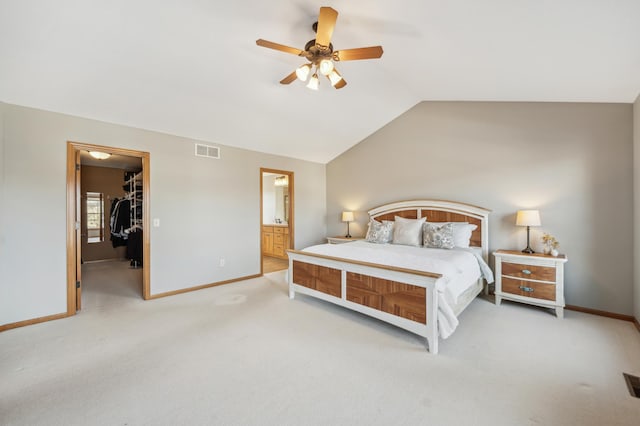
[(107, 211), (276, 218)]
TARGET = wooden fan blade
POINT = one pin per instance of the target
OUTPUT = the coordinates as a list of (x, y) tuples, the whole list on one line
[(280, 47), (326, 24), (288, 79), (372, 52), (341, 84)]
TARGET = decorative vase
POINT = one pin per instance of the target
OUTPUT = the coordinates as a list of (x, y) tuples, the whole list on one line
[(546, 249), (554, 253)]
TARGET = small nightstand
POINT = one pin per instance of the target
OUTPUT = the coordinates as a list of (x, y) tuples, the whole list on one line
[(342, 240), (536, 279)]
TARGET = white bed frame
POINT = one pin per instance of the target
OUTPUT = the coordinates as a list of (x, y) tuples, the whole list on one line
[(331, 278)]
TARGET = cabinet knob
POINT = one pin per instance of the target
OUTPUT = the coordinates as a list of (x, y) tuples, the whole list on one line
[(526, 272), (527, 289)]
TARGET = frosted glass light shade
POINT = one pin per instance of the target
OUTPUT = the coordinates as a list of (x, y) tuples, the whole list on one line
[(528, 218), (334, 77), (302, 72), (347, 216), (326, 66), (99, 155), (314, 83)]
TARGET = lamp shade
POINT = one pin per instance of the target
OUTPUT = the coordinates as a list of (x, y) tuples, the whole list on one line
[(347, 216), (528, 218)]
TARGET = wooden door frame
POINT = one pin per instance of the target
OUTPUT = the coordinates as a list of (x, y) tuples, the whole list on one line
[(73, 202), (291, 220)]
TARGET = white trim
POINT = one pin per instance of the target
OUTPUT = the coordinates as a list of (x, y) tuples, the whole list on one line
[(452, 206), (442, 205)]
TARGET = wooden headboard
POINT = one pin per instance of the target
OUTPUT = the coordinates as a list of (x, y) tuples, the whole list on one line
[(440, 211)]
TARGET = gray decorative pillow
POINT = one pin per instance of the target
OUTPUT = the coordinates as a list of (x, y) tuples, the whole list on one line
[(380, 233), (462, 232), (438, 235)]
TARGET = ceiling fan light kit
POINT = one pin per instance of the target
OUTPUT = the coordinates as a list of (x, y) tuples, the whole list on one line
[(334, 77), (326, 66), (303, 72), (314, 82), (320, 54)]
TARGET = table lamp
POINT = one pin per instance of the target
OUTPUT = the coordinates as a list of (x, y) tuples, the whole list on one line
[(347, 217), (528, 218)]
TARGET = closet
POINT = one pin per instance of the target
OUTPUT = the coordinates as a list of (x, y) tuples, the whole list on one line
[(134, 245), (126, 218), (112, 226)]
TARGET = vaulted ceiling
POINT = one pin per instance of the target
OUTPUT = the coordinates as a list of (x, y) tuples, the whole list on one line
[(192, 68)]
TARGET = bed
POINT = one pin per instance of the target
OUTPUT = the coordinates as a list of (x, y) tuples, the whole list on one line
[(417, 288)]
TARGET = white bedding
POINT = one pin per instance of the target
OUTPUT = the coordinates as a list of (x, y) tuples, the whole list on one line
[(460, 269)]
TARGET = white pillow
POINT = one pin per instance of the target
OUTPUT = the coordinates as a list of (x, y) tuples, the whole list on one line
[(408, 231), (461, 232)]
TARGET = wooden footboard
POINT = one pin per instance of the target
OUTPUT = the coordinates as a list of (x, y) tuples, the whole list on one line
[(393, 297), (403, 297)]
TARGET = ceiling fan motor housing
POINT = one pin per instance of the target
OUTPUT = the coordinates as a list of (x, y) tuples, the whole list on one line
[(315, 52)]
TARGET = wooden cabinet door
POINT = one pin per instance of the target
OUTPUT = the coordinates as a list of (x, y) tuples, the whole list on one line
[(267, 243)]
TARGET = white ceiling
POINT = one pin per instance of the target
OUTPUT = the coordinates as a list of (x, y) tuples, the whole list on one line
[(192, 68)]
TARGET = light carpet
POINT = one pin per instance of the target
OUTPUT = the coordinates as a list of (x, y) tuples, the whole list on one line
[(244, 354)]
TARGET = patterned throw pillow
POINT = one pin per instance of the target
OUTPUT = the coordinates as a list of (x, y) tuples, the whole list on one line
[(462, 232), (380, 233), (438, 235)]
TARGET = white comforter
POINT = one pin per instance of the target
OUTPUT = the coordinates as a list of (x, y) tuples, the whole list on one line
[(460, 269)]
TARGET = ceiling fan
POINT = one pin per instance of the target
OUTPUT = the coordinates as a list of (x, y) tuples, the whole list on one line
[(320, 54)]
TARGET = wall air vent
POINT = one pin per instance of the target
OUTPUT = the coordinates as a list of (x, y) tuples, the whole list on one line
[(207, 151)]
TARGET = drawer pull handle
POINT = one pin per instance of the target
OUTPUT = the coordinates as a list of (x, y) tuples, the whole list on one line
[(527, 289), (526, 272)]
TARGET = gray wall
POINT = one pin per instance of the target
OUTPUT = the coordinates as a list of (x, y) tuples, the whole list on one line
[(573, 162), (207, 208), (636, 198), (2, 199)]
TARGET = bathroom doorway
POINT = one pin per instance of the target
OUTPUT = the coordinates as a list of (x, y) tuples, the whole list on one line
[(276, 219)]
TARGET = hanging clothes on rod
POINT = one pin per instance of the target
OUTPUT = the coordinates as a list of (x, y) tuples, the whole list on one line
[(120, 221), (134, 247)]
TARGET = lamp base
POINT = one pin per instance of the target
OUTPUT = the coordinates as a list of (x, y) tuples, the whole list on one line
[(348, 236), (528, 249)]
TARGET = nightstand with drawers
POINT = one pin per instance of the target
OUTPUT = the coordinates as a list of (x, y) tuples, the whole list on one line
[(536, 279)]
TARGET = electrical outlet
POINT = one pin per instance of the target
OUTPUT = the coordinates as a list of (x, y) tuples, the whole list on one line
[(156, 223), (222, 262)]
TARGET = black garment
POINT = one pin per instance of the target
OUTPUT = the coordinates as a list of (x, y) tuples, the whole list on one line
[(120, 221), (134, 246)]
